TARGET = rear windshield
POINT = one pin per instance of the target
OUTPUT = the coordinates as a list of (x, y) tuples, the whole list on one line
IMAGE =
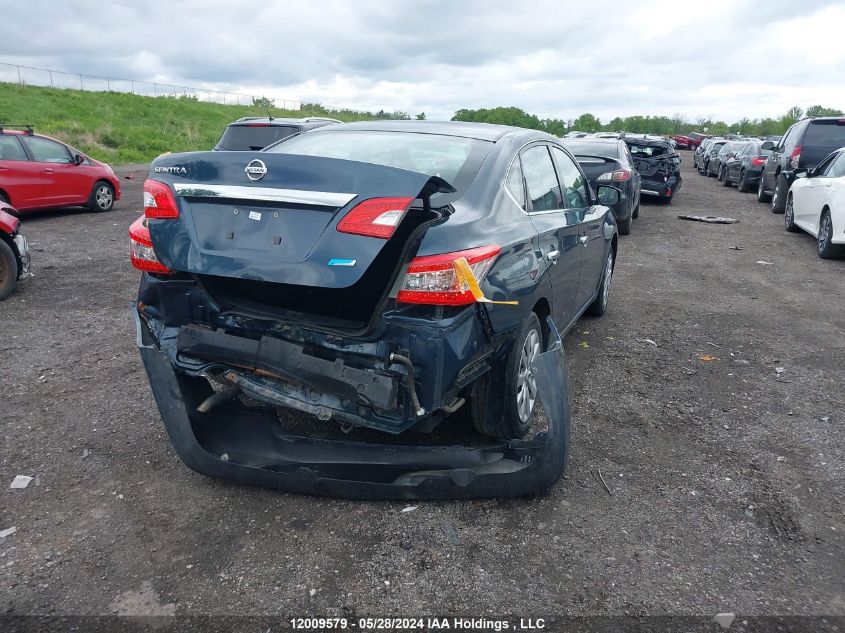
[(825, 134), (582, 148), (647, 150), (253, 137), (454, 159)]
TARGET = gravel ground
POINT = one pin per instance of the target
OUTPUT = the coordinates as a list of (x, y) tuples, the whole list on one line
[(726, 475)]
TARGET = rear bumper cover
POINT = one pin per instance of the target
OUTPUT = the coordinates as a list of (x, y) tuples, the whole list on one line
[(661, 188), (250, 447)]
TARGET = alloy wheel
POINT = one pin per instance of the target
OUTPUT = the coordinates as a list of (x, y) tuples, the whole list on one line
[(526, 383), (103, 197), (825, 230), (608, 275), (787, 215)]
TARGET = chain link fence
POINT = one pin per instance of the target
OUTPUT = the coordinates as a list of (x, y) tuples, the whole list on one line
[(30, 76)]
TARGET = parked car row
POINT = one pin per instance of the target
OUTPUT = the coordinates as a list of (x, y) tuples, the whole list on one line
[(801, 175)]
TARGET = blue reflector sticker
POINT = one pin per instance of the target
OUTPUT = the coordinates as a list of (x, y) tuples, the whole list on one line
[(342, 262)]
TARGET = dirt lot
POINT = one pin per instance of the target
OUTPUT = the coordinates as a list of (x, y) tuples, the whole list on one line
[(726, 475)]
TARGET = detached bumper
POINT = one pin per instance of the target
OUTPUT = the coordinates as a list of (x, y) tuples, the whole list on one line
[(248, 446), (662, 189)]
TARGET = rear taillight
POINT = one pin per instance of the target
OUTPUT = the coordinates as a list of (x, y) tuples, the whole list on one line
[(432, 279), (159, 201), (257, 125), (376, 217), (758, 160), (619, 175), (795, 157), (141, 252)]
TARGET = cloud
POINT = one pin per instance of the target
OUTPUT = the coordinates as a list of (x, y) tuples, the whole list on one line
[(555, 59)]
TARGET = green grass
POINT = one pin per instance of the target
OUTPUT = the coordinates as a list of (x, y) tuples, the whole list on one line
[(124, 128)]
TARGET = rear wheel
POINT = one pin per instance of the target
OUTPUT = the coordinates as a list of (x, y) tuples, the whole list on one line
[(779, 196), (762, 196), (8, 269), (789, 216), (502, 402), (599, 306), (743, 182), (102, 197), (636, 212), (827, 249), (624, 226), (725, 179)]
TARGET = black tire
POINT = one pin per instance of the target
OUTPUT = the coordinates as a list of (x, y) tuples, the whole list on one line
[(762, 196), (789, 216), (497, 402), (826, 248), (743, 182), (599, 306), (8, 269), (725, 180), (779, 196), (3, 198), (101, 199), (636, 212), (624, 226)]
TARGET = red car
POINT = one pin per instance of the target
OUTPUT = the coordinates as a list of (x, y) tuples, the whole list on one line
[(14, 252), (681, 141), (37, 172)]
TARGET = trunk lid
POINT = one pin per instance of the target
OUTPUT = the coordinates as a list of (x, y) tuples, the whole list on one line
[(273, 217), (595, 166)]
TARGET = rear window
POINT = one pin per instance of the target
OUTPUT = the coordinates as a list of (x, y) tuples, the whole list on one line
[(454, 159), (647, 150), (242, 138), (825, 134), (581, 148)]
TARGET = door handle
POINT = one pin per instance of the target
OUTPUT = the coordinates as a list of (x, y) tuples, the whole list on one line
[(47, 170), (583, 239), (552, 256)]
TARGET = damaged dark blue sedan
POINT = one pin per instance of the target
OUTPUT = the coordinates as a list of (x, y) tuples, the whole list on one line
[(403, 282)]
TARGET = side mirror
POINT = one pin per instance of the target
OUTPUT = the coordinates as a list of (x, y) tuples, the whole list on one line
[(803, 173), (767, 145), (608, 196), (78, 159)]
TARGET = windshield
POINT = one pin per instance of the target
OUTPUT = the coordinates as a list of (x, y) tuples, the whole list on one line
[(825, 134), (452, 158)]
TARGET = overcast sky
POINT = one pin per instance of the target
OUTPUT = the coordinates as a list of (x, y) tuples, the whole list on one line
[(555, 59)]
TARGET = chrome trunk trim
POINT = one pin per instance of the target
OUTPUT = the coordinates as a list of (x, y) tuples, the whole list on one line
[(264, 194)]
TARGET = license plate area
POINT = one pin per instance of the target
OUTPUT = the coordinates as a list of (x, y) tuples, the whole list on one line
[(286, 233)]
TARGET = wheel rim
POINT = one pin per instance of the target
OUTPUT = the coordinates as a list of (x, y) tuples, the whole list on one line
[(103, 197), (787, 216), (776, 195), (4, 273), (760, 188), (526, 383), (608, 275), (824, 231)]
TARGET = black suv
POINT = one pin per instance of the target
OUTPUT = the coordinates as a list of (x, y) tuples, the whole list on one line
[(804, 146), (254, 133)]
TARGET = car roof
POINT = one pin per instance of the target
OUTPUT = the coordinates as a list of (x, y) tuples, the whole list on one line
[(264, 120), (464, 129)]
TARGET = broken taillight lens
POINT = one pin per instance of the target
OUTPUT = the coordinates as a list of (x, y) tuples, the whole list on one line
[(141, 252), (159, 201), (432, 279), (376, 217), (795, 157)]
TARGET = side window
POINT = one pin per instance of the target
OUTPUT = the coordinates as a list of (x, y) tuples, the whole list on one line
[(514, 183), (11, 148), (837, 167), (540, 178), (46, 151), (573, 182), (627, 153), (789, 137)]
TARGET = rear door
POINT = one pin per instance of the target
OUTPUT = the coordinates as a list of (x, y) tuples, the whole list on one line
[(20, 178), (577, 202), (558, 230)]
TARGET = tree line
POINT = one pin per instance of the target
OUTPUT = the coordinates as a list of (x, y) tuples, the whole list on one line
[(663, 125)]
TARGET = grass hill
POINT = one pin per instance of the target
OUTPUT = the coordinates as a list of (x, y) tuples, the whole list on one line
[(125, 128)]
